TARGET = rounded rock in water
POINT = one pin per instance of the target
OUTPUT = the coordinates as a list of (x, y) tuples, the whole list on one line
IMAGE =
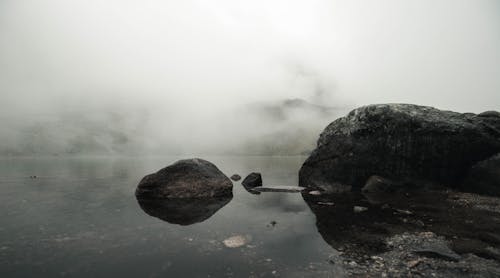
[(189, 178)]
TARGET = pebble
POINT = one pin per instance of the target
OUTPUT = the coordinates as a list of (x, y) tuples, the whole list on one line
[(358, 209), (234, 241)]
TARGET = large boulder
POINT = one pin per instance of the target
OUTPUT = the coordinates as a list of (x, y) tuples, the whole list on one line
[(403, 142), (189, 178)]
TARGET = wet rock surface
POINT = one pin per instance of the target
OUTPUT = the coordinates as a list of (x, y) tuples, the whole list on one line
[(189, 178), (252, 181), (441, 234), (185, 211), (419, 145)]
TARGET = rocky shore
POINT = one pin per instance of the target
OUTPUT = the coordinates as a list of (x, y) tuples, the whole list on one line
[(398, 190)]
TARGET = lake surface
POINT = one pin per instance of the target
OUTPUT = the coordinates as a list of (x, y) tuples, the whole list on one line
[(79, 218)]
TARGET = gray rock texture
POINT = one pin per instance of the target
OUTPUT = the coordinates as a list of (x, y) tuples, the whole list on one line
[(252, 180), (404, 142), (189, 178)]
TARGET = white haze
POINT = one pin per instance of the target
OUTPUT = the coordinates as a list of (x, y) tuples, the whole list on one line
[(150, 76)]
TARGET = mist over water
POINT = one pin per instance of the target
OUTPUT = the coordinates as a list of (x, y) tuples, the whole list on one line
[(233, 77)]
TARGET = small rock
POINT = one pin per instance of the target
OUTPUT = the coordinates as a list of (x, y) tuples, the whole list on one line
[(252, 180), (414, 263), (235, 241), (420, 223), (402, 211), (236, 177), (427, 234), (358, 209)]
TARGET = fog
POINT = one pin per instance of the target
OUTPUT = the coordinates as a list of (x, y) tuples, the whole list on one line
[(230, 76)]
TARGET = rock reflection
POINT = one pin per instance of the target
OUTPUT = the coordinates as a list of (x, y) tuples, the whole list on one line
[(250, 190), (183, 211), (360, 234)]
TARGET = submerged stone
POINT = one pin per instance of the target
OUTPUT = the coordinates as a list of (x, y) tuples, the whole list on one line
[(235, 241)]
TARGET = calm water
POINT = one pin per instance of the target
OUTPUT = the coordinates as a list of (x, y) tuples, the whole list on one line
[(80, 218)]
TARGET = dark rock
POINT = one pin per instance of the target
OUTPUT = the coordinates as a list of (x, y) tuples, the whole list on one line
[(484, 177), (489, 114), (189, 178), (376, 184), (380, 185), (476, 247), (252, 180), (439, 253), (273, 223), (401, 142), (183, 211), (236, 177)]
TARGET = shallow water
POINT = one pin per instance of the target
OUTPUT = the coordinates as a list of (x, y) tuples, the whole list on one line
[(79, 217)]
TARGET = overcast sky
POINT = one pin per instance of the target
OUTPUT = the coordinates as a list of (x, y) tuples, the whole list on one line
[(194, 57), (437, 52)]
